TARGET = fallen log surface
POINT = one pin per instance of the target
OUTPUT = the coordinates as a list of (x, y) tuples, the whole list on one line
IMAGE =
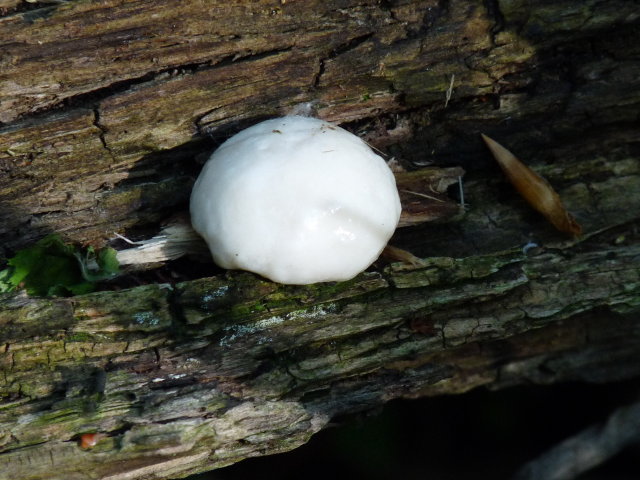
[(107, 109)]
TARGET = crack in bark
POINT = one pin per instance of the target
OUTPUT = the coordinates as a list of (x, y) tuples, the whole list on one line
[(493, 11), (93, 98), (315, 83), (102, 132), (96, 96), (345, 47), (176, 311)]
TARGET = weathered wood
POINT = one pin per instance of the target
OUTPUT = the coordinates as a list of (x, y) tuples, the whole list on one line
[(185, 378), (105, 103), (106, 106)]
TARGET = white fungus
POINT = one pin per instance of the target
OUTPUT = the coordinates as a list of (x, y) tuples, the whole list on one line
[(297, 200)]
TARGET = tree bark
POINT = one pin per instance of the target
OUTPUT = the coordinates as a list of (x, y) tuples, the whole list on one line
[(106, 108)]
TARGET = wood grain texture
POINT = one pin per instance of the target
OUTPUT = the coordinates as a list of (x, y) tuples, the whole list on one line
[(108, 108), (183, 378), (105, 104)]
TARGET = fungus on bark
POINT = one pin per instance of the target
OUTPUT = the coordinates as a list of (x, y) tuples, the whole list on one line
[(297, 200)]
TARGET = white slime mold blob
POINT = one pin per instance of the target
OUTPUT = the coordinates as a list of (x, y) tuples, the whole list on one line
[(297, 200)]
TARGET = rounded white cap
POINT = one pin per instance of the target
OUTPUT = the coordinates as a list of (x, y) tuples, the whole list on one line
[(297, 200)]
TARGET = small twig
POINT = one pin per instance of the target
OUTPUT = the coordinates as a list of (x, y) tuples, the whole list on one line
[(423, 195), (130, 242), (375, 149), (461, 191), (587, 449), (449, 90)]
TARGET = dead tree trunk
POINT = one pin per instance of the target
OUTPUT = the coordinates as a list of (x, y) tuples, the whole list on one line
[(104, 107)]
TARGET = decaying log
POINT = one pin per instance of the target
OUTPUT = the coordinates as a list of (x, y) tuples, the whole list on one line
[(106, 103), (108, 108), (183, 378)]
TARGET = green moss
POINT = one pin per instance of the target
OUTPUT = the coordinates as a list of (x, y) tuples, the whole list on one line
[(444, 270), (246, 310), (61, 415), (425, 85), (80, 337)]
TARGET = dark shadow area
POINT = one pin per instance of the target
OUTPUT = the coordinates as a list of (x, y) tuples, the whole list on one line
[(478, 435)]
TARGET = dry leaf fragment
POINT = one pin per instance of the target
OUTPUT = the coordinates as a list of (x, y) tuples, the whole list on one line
[(535, 189), (400, 255)]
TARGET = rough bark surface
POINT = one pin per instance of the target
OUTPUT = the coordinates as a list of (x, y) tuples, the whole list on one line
[(106, 105)]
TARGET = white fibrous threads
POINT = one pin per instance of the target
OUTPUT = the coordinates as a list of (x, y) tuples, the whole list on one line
[(297, 200)]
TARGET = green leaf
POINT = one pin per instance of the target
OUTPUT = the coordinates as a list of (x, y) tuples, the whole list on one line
[(108, 261), (53, 268), (23, 263), (5, 284), (105, 261)]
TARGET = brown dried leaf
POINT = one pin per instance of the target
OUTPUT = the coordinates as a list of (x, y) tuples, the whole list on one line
[(399, 255), (535, 189)]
